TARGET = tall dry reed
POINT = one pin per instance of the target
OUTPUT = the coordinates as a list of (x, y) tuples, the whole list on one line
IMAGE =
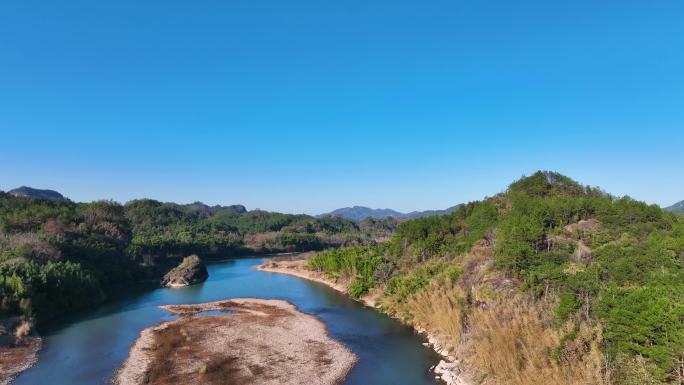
[(511, 343), (438, 310)]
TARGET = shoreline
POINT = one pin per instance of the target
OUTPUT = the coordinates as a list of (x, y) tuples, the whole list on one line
[(447, 369), (295, 267), (244, 340), (19, 347), (18, 358)]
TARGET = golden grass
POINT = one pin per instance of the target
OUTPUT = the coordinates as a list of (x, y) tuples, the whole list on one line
[(168, 344), (438, 310), (511, 343), (504, 336), (22, 330)]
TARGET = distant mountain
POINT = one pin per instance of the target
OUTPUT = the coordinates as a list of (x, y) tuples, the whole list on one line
[(24, 191), (205, 211), (677, 207), (431, 213), (358, 213)]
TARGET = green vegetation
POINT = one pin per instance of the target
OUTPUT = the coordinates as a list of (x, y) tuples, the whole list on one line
[(360, 264), (46, 289), (57, 255), (599, 280), (549, 282)]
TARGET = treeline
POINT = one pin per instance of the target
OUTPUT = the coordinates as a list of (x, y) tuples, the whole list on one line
[(549, 282), (57, 255)]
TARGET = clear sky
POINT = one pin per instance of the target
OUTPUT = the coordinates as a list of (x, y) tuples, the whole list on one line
[(307, 106)]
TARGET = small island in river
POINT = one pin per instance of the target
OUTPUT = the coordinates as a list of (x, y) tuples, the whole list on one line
[(189, 272), (237, 341)]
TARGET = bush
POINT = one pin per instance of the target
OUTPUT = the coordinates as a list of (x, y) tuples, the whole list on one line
[(646, 321), (568, 304), (359, 264)]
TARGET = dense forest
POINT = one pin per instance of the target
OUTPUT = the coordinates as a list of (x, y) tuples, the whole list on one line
[(57, 255), (550, 282)]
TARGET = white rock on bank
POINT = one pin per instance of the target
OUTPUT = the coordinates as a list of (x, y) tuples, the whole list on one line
[(449, 373)]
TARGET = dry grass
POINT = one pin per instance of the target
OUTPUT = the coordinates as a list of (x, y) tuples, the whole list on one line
[(511, 343), (174, 344), (22, 330), (29, 245), (259, 241), (505, 337), (440, 311), (221, 370), (168, 344)]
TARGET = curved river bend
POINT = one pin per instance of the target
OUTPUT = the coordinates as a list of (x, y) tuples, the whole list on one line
[(88, 347)]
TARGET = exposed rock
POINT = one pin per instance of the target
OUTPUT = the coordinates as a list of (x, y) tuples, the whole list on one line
[(449, 372), (189, 272), (449, 369), (584, 225), (582, 253)]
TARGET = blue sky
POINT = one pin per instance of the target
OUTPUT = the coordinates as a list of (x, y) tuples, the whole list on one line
[(307, 106)]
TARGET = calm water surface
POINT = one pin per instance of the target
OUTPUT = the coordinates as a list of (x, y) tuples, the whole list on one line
[(88, 347)]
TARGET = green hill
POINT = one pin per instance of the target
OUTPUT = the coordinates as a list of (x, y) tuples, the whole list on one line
[(551, 282), (24, 191)]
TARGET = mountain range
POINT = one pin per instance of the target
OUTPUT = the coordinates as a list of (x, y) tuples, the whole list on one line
[(355, 213), (197, 208), (676, 208), (358, 213)]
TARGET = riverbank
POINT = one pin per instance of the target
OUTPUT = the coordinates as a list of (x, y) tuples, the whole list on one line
[(243, 341), (448, 369), (295, 265), (19, 348)]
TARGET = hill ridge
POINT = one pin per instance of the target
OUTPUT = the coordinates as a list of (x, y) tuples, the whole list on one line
[(358, 213)]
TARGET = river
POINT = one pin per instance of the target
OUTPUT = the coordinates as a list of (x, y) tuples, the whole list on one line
[(86, 348)]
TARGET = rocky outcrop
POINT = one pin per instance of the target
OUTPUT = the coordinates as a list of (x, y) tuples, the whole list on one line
[(583, 225), (449, 368), (189, 272)]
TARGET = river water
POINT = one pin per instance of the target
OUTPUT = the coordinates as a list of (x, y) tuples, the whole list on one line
[(86, 348)]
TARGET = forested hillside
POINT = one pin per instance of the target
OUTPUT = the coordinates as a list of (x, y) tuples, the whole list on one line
[(57, 255), (550, 282)]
